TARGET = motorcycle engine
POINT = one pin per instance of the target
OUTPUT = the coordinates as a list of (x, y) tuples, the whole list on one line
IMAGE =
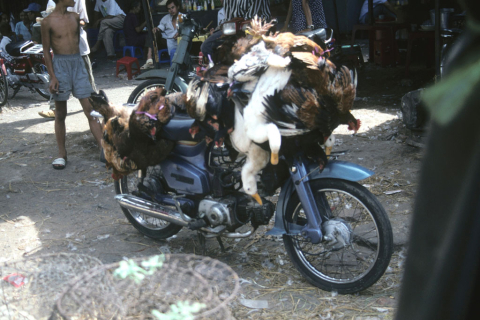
[(13, 79), (218, 212), (236, 211)]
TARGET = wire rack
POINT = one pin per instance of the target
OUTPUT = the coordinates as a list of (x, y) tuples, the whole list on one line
[(188, 279), (30, 287)]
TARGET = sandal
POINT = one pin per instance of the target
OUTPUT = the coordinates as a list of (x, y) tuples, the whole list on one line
[(59, 163), (147, 65), (47, 114)]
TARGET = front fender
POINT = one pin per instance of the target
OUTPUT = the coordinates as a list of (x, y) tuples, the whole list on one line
[(333, 170), (163, 73)]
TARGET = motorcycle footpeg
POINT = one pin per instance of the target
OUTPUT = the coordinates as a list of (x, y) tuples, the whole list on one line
[(197, 224)]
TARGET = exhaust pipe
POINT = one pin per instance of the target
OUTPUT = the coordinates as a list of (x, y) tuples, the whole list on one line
[(158, 211), (149, 208)]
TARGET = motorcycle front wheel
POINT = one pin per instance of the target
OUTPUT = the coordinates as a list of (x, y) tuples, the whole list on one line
[(359, 262), (151, 227), (146, 86), (3, 87)]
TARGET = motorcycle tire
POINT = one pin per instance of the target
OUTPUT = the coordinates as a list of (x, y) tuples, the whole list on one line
[(41, 68), (3, 87), (150, 84), (356, 265), (151, 227)]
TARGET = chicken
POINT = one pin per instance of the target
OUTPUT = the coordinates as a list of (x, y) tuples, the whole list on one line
[(100, 103), (121, 166), (145, 124), (286, 43), (267, 73), (115, 132), (206, 101), (288, 98), (131, 139), (257, 158)]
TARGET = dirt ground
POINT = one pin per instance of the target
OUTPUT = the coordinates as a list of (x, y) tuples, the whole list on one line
[(43, 210)]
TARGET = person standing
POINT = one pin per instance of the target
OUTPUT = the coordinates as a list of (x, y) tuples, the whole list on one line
[(305, 15), (61, 32), (168, 25), (110, 18), (81, 9)]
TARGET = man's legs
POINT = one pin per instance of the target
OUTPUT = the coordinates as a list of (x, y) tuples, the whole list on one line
[(107, 30), (95, 127), (60, 115)]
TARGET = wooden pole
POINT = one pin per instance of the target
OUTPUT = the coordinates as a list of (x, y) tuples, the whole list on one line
[(150, 26)]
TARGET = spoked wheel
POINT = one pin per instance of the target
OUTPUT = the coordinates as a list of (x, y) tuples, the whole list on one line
[(41, 68), (360, 232), (3, 87), (147, 225), (146, 86)]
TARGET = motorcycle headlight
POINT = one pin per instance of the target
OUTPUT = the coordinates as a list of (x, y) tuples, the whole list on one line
[(229, 28)]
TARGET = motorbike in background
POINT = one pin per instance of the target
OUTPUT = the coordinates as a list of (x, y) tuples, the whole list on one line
[(26, 69), (176, 78)]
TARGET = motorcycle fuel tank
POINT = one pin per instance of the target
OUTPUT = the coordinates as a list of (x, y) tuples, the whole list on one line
[(185, 177)]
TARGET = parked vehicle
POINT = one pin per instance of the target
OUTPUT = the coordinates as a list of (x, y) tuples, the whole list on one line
[(171, 79), (26, 69), (335, 231)]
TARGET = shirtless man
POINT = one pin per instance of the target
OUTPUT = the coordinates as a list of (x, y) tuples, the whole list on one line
[(61, 32)]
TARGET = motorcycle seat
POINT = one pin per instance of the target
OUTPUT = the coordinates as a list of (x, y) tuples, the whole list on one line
[(14, 49), (178, 128)]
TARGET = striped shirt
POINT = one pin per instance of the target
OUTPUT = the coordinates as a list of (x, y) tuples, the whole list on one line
[(246, 9)]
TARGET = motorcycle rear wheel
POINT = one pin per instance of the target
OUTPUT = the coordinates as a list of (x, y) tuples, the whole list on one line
[(3, 87), (151, 227), (355, 266), (148, 85)]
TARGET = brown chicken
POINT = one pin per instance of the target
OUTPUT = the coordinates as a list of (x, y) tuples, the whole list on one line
[(132, 138)]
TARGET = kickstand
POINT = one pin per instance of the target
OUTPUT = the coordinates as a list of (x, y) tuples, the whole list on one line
[(220, 242), (201, 239)]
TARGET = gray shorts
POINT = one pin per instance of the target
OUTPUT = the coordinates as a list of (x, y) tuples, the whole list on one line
[(72, 77)]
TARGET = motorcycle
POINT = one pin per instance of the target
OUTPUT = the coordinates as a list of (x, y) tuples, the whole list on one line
[(26, 69), (335, 231)]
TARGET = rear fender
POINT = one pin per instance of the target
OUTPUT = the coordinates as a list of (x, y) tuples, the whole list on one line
[(334, 170)]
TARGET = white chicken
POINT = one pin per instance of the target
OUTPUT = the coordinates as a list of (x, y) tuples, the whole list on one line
[(266, 72), (257, 158)]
